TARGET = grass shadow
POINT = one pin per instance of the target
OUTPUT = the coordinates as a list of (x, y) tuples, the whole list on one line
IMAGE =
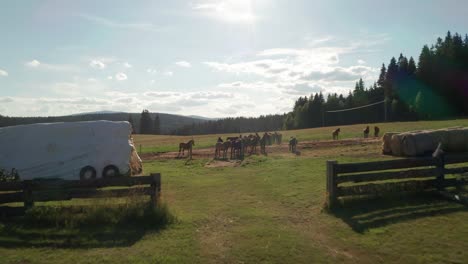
[(362, 214), (86, 226)]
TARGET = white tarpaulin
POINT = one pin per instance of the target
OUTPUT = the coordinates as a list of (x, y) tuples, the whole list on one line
[(61, 150)]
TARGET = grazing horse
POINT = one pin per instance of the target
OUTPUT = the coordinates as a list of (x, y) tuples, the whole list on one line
[(186, 146), (292, 144), (376, 131), (366, 132), (336, 133), (220, 140)]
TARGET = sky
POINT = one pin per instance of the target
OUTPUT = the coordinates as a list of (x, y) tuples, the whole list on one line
[(212, 58)]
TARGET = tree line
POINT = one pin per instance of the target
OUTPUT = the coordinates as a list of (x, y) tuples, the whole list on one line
[(148, 125), (233, 125), (434, 88)]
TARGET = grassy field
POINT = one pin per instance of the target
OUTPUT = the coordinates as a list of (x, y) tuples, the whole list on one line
[(268, 209), (151, 143)]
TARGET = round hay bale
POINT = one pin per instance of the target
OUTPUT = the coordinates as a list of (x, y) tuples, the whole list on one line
[(418, 144), (386, 143), (457, 140), (395, 144)]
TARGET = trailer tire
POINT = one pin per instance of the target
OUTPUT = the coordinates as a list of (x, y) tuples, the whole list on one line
[(87, 173), (110, 171)]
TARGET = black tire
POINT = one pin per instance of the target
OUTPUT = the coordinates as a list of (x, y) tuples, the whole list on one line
[(110, 171), (87, 173)]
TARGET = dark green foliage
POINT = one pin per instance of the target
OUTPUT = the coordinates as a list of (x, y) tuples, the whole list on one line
[(436, 88), (6, 176), (156, 125), (234, 125), (168, 122), (146, 123)]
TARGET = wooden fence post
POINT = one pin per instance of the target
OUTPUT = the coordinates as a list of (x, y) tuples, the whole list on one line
[(331, 183), (28, 197), (440, 164), (156, 185)]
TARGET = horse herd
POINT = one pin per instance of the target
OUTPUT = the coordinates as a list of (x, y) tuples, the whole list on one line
[(238, 146)]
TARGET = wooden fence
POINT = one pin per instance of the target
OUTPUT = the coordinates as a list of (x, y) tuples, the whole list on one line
[(402, 175), (31, 191)]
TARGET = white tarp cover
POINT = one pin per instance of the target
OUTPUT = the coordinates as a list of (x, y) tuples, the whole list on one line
[(61, 150)]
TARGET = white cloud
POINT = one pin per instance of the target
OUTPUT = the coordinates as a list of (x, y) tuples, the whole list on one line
[(127, 65), (97, 64), (121, 76), (299, 71), (109, 77), (151, 71), (120, 25), (33, 63), (168, 73), (6, 100), (184, 64), (361, 62), (3, 73)]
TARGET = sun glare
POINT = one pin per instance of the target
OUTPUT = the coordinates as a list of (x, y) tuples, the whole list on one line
[(234, 11)]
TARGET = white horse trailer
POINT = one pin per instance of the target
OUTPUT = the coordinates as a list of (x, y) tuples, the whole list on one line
[(70, 151)]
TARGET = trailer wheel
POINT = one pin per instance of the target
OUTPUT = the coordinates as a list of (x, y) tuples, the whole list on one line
[(110, 171), (87, 173)]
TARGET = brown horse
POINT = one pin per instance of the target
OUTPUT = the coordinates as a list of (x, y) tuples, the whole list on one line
[(376, 131), (186, 146), (336, 133), (292, 144), (366, 132), (237, 149), (222, 147)]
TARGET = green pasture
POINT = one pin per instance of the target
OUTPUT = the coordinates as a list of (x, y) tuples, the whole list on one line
[(163, 143), (267, 209)]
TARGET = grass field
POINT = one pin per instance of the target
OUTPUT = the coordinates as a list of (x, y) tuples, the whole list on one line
[(151, 143), (268, 209)]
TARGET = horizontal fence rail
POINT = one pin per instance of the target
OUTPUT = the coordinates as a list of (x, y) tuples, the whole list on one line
[(401, 175), (31, 191)]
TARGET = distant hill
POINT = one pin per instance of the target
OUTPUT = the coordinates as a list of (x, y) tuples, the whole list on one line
[(168, 122)]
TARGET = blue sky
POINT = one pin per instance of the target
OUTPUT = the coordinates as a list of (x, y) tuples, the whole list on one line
[(212, 58)]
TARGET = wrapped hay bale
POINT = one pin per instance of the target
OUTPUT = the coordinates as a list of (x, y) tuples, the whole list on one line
[(457, 140), (419, 144), (386, 145), (395, 144)]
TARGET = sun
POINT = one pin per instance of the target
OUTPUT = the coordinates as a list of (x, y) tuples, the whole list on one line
[(239, 11)]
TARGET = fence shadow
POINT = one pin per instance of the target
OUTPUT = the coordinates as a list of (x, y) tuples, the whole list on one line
[(362, 214), (100, 228)]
